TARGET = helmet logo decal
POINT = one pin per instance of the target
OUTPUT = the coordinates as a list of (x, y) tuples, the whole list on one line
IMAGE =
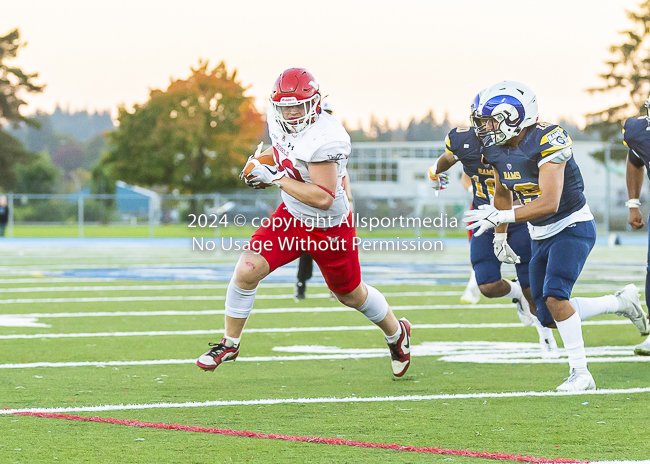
[(505, 104)]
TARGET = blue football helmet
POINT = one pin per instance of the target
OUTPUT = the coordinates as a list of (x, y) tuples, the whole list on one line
[(477, 100), (503, 111)]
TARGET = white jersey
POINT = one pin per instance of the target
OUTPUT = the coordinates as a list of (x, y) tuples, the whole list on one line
[(324, 140)]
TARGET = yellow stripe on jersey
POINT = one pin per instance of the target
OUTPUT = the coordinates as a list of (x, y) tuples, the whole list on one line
[(448, 146), (624, 138), (558, 139)]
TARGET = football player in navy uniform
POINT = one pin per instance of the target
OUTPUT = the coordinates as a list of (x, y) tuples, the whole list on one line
[(636, 136), (535, 161), (489, 250)]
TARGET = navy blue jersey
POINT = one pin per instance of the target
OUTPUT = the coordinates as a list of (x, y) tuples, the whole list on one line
[(518, 168), (463, 143), (636, 136)]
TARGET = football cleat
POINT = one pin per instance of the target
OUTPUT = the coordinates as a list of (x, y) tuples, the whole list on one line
[(219, 353), (299, 290), (628, 298), (643, 349), (471, 296), (578, 382), (549, 348), (400, 351)]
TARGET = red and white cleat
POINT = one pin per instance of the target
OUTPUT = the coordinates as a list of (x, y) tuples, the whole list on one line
[(220, 352), (400, 351)]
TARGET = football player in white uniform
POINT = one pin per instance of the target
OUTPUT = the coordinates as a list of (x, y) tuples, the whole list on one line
[(306, 262), (311, 151)]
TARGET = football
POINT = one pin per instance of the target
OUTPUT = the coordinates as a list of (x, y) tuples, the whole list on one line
[(265, 157)]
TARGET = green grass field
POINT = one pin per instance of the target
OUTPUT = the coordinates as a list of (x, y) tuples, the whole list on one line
[(315, 350)]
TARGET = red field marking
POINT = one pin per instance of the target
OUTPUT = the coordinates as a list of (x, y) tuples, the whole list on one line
[(327, 441)]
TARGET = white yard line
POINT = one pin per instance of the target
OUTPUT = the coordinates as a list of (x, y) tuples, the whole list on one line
[(495, 325), (323, 400), (259, 311)]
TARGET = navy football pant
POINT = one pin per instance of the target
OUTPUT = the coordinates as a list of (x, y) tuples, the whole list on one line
[(556, 265), (487, 266)]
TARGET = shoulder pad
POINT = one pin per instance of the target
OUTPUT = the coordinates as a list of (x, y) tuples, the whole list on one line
[(552, 138), (459, 138)]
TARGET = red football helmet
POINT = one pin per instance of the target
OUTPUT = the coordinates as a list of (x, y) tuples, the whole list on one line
[(296, 91)]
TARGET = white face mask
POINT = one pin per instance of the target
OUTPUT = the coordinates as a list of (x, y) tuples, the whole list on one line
[(294, 115)]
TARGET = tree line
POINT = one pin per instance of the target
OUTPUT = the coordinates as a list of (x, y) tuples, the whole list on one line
[(194, 136)]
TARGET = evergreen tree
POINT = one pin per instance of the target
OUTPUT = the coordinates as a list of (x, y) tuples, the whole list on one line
[(629, 70), (13, 81)]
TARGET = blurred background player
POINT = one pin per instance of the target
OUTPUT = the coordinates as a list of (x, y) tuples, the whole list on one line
[(306, 262), (311, 150), (535, 162), (4, 214), (488, 250), (636, 136)]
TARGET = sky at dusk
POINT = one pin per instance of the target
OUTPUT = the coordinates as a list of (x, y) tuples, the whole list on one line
[(394, 60)]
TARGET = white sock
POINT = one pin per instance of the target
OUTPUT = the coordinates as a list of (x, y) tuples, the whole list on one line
[(234, 341), (571, 332), (515, 290), (472, 286), (544, 333), (393, 338), (590, 307), (239, 302)]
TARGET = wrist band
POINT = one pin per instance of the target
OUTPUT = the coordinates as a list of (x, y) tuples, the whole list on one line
[(633, 203), (509, 215)]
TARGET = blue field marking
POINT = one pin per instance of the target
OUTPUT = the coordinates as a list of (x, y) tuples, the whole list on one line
[(373, 273)]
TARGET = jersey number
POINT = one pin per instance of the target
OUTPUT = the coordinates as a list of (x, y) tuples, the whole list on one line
[(527, 192), (287, 166), (482, 189)]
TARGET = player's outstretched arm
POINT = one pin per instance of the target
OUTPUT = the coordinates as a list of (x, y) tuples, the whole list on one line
[(321, 192), (634, 174), (446, 161), (437, 179)]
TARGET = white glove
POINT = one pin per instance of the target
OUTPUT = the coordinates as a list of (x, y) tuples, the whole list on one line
[(437, 181), (486, 217), (265, 174), (502, 250)]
